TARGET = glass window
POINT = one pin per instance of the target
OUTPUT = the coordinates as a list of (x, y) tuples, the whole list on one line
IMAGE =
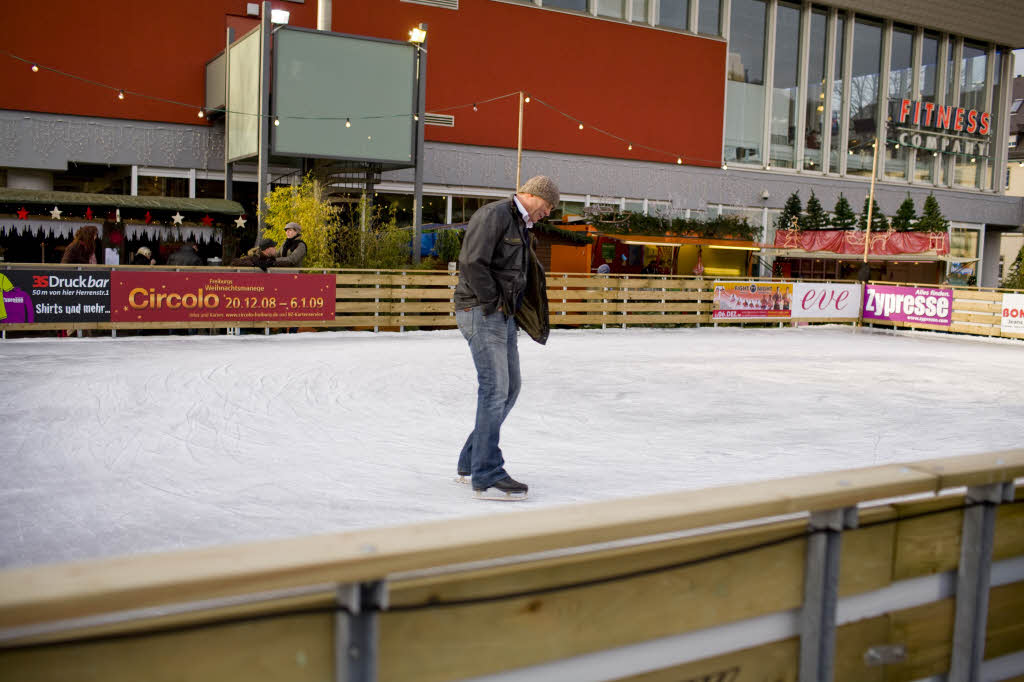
[(154, 186), (639, 11), (1015, 107), (963, 244), (925, 160), (815, 104), (580, 5), (867, 61), (463, 208), (708, 16), (674, 13), (611, 8), (900, 88), (985, 151), (945, 162), (785, 91), (973, 64), (835, 112), (744, 123)]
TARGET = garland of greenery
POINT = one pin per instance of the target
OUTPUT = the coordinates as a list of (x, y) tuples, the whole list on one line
[(717, 227)]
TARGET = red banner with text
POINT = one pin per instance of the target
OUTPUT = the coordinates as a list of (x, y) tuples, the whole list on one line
[(163, 296)]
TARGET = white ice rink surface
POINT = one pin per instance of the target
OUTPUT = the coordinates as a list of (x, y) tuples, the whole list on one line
[(141, 444)]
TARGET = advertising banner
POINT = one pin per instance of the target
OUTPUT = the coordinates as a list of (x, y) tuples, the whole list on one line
[(908, 304), (221, 297), (54, 295), (749, 300), (1013, 313), (828, 301)]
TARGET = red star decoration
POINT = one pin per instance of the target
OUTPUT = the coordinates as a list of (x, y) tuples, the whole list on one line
[(207, 220), (88, 213), (22, 214), (149, 218)]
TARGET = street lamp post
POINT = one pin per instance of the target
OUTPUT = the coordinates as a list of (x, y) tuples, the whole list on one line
[(419, 38)]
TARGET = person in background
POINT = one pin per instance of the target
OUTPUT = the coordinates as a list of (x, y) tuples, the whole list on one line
[(501, 286), (82, 248), (143, 256), (262, 256), (188, 254), (604, 269), (293, 251)]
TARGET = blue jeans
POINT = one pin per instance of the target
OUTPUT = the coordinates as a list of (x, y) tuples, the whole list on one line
[(493, 343)]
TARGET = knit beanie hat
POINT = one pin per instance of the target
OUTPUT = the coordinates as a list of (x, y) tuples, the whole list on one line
[(294, 226), (267, 243), (542, 186)]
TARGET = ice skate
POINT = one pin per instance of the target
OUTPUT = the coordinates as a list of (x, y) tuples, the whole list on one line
[(507, 490)]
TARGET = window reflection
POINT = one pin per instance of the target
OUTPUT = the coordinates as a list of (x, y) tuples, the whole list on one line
[(972, 96), (745, 86), (925, 161), (815, 104), (785, 91), (867, 56), (709, 16), (900, 88), (836, 111)]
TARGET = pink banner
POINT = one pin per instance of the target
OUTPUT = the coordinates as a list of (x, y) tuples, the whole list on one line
[(908, 304), (851, 242)]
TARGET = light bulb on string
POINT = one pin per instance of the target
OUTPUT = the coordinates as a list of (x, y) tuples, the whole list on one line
[(527, 100), (348, 123), (725, 166), (277, 121), (581, 126), (415, 117), (474, 107), (200, 114), (35, 68), (630, 147), (120, 94), (679, 160)]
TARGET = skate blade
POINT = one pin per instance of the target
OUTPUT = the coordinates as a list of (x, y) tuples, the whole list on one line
[(498, 496), (463, 480)]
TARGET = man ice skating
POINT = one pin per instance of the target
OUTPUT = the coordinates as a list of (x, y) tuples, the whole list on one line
[(501, 287)]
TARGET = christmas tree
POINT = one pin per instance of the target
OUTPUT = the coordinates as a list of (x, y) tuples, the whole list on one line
[(815, 217), (905, 217), (932, 219), (843, 217), (1015, 276), (791, 210), (878, 220)]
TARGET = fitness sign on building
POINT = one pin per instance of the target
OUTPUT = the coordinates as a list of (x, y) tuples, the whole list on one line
[(942, 128)]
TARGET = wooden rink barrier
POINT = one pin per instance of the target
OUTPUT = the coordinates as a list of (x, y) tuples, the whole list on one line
[(891, 572), (398, 300)]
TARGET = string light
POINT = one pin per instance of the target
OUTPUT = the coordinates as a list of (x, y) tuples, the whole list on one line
[(201, 113), (415, 117)]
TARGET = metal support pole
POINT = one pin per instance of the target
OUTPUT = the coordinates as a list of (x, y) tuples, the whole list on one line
[(421, 107), (228, 189), (972, 580), (821, 593), (357, 631), (265, 121)]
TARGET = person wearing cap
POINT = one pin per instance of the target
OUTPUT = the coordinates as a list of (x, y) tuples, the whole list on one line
[(262, 256), (501, 288), (293, 251)]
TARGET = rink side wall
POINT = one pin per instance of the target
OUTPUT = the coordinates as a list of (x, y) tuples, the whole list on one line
[(882, 573), (397, 300)]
